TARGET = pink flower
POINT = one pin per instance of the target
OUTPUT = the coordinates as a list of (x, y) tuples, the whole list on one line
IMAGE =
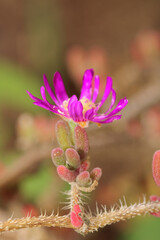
[(82, 110)]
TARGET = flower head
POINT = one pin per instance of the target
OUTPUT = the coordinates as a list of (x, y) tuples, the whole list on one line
[(82, 110)]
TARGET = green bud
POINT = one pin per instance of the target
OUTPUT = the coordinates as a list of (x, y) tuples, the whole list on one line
[(58, 158), (72, 158), (63, 134), (83, 179), (96, 173), (66, 174), (81, 141), (72, 126)]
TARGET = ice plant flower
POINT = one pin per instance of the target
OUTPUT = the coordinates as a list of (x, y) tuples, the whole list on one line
[(82, 110)]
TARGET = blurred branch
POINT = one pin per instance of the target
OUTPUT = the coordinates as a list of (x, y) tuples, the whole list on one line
[(23, 164), (142, 99)]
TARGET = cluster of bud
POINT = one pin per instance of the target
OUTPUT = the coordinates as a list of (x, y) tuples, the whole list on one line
[(71, 157)]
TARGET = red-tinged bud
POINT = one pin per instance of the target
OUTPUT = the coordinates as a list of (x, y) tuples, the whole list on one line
[(72, 158), (63, 134), (84, 166), (83, 179), (156, 167), (155, 199), (66, 174), (81, 141), (76, 208), (96, 173), (58, 158), (76, 220)]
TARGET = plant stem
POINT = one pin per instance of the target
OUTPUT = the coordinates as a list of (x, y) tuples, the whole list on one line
[(102, 218)]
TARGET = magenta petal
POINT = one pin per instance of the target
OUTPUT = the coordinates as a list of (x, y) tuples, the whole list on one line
[(78, 111), (38, 100), (112, 101), (108, 120), (54, 109), (71, 110), (72, 99), (33, 97), (96, 88), (89, 114), (49, 90), (106, 92), (43, 93), (86, 90), (122, 103), (44, 96), (43, 105), (59, 88)]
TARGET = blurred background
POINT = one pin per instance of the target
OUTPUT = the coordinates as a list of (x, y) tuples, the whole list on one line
[(116, 38)]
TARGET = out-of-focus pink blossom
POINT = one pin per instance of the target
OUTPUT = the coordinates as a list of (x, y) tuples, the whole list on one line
[(78, 59), (146, 47)]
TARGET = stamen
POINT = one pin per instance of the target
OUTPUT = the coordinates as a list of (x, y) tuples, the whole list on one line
[(87, 104)]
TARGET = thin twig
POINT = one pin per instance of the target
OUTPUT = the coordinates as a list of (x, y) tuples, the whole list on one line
[(144, 98)]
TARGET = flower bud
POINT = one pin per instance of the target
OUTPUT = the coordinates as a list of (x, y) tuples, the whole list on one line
[(96, 173), (84, 166), (81, 141), (66, 174), (83, 179), (72, 158), (58, 158), (63, 134)]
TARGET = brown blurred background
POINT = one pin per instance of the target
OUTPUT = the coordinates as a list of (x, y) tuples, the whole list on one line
[(116, 38)]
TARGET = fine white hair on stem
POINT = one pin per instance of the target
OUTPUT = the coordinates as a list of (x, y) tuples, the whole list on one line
[(94, 222)]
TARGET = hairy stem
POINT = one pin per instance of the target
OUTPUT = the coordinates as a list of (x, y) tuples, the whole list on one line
[(102, 218), (123, 213), (30, 222), (75, 196)]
